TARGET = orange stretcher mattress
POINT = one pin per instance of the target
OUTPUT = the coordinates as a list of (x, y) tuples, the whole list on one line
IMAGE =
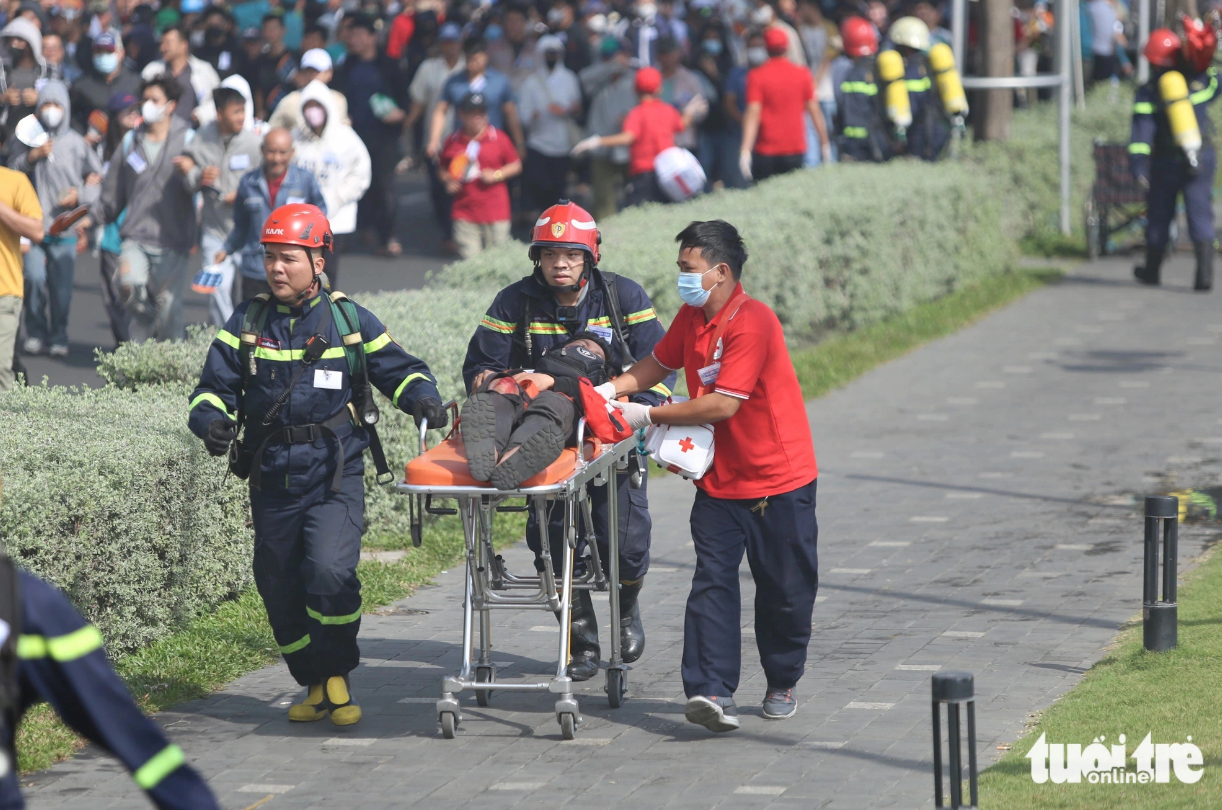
[(446, 466)]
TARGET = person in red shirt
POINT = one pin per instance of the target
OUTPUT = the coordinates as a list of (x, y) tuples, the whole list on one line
[(649, 129), (476, 160), (774, 132), (759, 495)]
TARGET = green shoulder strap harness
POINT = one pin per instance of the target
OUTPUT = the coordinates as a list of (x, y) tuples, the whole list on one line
[(347, 321)]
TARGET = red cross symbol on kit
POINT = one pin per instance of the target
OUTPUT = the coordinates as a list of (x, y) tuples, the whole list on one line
[(686, 444)]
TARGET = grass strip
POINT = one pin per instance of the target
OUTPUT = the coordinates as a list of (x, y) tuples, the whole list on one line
[(838, 360), (1170, 695), (236, 639)]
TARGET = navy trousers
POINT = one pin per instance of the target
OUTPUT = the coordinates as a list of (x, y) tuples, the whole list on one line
[(780, 542), (635, 529), (1169, 178), (306, 551)]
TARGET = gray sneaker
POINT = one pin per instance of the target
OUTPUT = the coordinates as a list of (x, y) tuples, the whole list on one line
[(714, 713), (779, 704)]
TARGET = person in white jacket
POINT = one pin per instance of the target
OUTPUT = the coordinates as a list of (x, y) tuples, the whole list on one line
[(190, 72), (333, 152)]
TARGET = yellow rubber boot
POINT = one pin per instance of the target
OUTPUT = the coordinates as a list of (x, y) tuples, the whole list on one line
[(344, 711), (314, 707)]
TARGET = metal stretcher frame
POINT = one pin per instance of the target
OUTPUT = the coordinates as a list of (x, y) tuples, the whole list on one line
[(489, 586)]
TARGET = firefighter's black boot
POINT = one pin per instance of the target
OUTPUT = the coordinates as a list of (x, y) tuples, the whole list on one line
[(631, 631), (1205, 266), (583, 638), (1148, 273)]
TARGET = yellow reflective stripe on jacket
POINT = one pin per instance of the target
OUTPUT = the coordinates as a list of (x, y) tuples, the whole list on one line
[(640, 317), (287, 355), (856, 132), (212, 399), (406, 382), (1139, 149), (661, 389), (379, 342), (1143, 108), (917, 85), (67, 647), (1205, 94), (541, 328), (299, 644), (865, 88), (605, 320), (163, 763), (504, 327), (228, 338), (321, 619)]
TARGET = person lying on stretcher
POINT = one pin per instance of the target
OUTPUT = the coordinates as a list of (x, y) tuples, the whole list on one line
[(518, 422)]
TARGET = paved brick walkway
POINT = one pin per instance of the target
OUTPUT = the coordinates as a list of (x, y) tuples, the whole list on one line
[(975, 512)]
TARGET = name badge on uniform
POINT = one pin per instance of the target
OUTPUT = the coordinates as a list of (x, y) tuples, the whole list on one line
[(708, 374), (138, 163), (324, 378), (603, 332), (239, 163)]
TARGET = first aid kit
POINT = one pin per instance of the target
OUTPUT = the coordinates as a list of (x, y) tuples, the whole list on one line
[(679, 173), (687, 450)]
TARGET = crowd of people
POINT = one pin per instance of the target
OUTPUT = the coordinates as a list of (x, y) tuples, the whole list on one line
[(181, 125)]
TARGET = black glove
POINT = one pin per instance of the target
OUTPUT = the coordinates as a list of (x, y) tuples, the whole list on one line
[(432, 410), (221, 434)]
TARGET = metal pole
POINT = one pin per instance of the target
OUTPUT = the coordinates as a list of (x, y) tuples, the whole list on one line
[(958, 27), (1143, 34), (955, 755), (954, 688), (1159, 625), (1066, 7), (971, 751), (937, 753)]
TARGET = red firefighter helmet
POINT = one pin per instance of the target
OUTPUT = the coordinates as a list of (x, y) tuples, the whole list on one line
[(298, 224), (1200, 42), (1162, 48), (565, 225), (860, 37)]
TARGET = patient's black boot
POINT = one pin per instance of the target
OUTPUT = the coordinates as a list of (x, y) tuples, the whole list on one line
[(631, 630)]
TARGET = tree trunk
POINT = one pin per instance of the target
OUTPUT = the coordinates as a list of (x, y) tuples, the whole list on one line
[(997, 44)]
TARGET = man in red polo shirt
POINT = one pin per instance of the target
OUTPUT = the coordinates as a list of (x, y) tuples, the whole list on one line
[(759, 496), (774, 132), (649, 129)]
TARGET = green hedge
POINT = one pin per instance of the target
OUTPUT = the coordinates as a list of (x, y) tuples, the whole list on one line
[(111, 498)]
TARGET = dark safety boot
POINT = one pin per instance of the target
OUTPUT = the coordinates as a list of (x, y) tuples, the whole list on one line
[(1205, 266), (1148, 273), (631, 630), (583, 638)]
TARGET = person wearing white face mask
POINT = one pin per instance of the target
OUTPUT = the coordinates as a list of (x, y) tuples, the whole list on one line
[(66, 173), (159, 228), (759, 496), (109, 76)]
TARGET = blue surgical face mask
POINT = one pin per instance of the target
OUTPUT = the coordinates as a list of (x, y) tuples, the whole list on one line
[(493, 32), (712, 47), (691, 288), (106, 62)]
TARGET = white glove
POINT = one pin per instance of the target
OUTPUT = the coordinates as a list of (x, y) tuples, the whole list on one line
[(587, 144), (744, 164), (696, 107), (636, 414), (606, 390)]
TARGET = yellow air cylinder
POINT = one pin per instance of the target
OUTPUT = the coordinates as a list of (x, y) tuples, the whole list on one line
[(1180, 114), (950, 88), (891, 71)]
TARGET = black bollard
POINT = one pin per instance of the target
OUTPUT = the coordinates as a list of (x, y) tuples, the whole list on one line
[(954, 688), (1159, 616)]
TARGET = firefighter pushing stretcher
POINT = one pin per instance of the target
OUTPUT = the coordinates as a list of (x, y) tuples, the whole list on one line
[(296, 372)]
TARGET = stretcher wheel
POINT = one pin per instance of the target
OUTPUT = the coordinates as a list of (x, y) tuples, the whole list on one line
[(568, 726), (449, 724), (617, 687), (484, 675)]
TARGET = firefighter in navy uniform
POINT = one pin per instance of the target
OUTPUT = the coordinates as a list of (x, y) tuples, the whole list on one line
[(930, 130), (859, 105), (60, 660), (566, 294), (296, 370), (1169, 156)]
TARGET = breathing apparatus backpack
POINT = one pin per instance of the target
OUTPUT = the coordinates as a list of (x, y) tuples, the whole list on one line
[(363, 410)]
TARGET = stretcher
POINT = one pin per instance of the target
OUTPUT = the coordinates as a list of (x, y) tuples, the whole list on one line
[(441, 473)]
